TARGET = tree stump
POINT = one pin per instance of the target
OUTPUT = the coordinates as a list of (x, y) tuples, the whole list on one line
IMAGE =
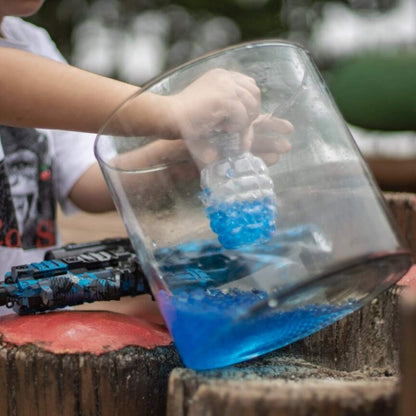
[(407, 354), (76, 363), (403, 209), (100, 363)]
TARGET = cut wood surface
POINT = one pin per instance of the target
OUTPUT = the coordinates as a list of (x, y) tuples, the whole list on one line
[(290, 398)]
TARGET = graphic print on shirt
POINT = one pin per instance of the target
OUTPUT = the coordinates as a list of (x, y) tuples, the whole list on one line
[(27, 204)]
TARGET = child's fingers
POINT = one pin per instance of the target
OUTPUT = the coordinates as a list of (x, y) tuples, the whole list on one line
[(239, 100), (267, 124), (251, 104), (266, 134), (276, 145), (269, 158), (265, 137), (247, 83), (236, 119), (219, 100)]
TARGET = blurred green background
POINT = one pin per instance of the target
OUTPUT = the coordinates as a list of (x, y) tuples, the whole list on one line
[(364, 48)]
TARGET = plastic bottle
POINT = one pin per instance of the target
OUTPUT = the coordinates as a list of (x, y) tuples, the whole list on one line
[(238, 195)]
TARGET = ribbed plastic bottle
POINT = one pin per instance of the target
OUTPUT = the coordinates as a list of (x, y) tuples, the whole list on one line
[(238, 195)]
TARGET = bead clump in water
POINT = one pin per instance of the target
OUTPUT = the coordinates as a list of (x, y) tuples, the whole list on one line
[(239, 199)]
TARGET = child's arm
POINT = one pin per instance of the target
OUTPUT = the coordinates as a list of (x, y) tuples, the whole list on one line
[(90, 192), (39, 92)]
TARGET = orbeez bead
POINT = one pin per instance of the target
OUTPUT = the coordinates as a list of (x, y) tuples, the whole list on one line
[(240, 201)]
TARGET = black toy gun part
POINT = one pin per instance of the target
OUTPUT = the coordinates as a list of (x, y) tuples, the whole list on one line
[(75, 274)]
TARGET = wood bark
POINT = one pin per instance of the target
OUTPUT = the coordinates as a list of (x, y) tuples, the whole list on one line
[(39, 378), (403, 209), (408, 354), (277, 397)]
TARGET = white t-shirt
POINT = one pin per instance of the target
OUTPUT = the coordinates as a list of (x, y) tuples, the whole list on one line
[(37, 167)]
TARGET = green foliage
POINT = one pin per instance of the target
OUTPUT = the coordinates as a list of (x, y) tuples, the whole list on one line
[(255, 21), (377, 91)]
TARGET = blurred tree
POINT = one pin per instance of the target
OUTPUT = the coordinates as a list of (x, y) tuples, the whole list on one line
[(87, 30), (135, 41), (254, 18)]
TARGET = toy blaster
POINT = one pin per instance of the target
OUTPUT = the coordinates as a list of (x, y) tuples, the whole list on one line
[(75, 274), (109, 269)]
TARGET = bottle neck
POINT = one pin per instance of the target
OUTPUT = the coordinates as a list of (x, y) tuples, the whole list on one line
[(229, 145)]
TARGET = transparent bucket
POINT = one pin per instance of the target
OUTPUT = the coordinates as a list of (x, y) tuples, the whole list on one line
[(250, 270)]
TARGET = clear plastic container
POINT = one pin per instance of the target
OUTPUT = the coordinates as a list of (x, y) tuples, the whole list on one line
[(325, 246)]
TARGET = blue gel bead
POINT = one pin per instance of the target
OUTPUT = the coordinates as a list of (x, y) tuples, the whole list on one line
[(243, 222)]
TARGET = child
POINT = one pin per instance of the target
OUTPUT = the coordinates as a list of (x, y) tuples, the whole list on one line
[(43, 99)]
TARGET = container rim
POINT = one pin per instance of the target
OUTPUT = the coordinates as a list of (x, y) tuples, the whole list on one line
[(282, 296)]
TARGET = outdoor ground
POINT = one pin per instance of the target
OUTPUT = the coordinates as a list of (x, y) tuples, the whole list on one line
[(83, 227)]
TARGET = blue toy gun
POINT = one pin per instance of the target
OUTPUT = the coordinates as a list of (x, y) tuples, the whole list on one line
[(109, 269), (75, 274)]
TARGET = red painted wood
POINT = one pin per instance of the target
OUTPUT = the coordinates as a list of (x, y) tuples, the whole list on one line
[(94, 332)]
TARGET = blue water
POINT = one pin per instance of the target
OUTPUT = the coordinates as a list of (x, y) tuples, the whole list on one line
[(243, 222), (207, 309), (209, 330)]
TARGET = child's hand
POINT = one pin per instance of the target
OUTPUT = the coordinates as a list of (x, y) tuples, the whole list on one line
[(224, 101), (265, 137), (219, 100)]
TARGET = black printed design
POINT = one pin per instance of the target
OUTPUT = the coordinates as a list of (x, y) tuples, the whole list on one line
[(27, 203)]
